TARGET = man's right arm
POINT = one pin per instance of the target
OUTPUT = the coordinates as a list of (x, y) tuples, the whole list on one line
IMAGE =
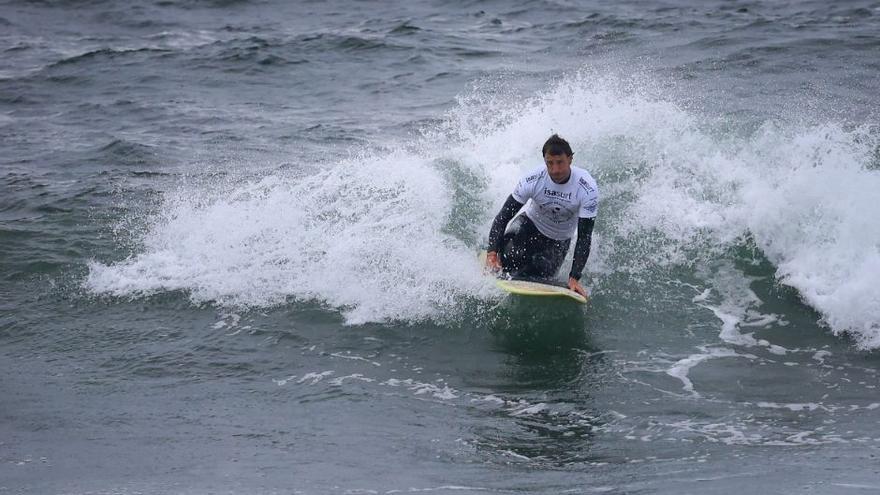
[(508, 211)]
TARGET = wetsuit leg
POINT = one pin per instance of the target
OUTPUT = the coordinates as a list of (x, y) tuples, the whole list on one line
[(546, 262), (528, 253), (514, 251)]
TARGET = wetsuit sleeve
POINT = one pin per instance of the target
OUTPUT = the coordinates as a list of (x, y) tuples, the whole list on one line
[(510, 208), (582, 247)]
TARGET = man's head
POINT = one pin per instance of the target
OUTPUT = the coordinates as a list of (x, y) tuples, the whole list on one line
[(557, 156)]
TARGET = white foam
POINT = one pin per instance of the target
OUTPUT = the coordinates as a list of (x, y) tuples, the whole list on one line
[(231, 320), (821, 355), (181, 40), (443, 488), (729, 329), (809, 406), (530, 410), (824, 241), (682, 367), (368, 235), (353, 377), (421, 388), (515, 455), (313, 378), (807, 198), (283, 381), (355, 357), (702, 296)]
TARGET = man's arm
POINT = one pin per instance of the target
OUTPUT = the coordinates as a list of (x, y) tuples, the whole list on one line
[(581, 253), (508, 211), (496, 234)]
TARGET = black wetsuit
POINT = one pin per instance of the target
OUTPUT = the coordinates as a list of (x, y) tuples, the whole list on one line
[(525, 252)]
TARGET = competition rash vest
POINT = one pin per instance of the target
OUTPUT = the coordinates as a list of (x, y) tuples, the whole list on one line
[(555, 208)]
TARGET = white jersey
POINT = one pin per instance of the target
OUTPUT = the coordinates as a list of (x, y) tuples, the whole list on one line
[(555, 208)]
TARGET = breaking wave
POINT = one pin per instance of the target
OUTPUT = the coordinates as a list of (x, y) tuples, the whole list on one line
[(391, 233)]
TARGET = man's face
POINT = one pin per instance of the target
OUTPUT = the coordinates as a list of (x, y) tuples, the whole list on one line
[(558, 167)]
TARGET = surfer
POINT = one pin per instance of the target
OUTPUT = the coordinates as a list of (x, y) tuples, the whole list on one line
[(535, 243)]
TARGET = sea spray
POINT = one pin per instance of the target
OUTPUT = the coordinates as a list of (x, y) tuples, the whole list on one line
[(364, 235), (392, 234), (677, 191)]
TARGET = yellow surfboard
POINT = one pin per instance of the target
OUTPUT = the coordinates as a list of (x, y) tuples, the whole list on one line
[(534, 288), (531, 288)]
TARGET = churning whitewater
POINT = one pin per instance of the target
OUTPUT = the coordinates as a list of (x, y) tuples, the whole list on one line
[(390, 234)]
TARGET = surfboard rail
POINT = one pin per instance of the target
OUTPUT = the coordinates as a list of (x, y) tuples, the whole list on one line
[(533, 288), (526, 287)]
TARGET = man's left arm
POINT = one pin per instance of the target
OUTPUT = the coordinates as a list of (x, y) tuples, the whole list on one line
[(581, 253)]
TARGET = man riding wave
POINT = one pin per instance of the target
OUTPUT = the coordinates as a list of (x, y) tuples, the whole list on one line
[(558, 199)]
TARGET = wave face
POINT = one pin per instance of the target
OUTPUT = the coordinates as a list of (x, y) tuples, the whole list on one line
[(391, 234)]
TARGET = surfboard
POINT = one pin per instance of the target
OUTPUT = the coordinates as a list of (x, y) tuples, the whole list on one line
[(534, 288)]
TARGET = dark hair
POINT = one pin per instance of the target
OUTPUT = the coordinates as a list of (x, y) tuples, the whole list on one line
[(556, 146)]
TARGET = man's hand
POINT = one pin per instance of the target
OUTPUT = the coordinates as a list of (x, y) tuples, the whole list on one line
[(492, 261), (574, 285)]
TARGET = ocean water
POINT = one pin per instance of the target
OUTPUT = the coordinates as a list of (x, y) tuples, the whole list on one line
[(238, 247)]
